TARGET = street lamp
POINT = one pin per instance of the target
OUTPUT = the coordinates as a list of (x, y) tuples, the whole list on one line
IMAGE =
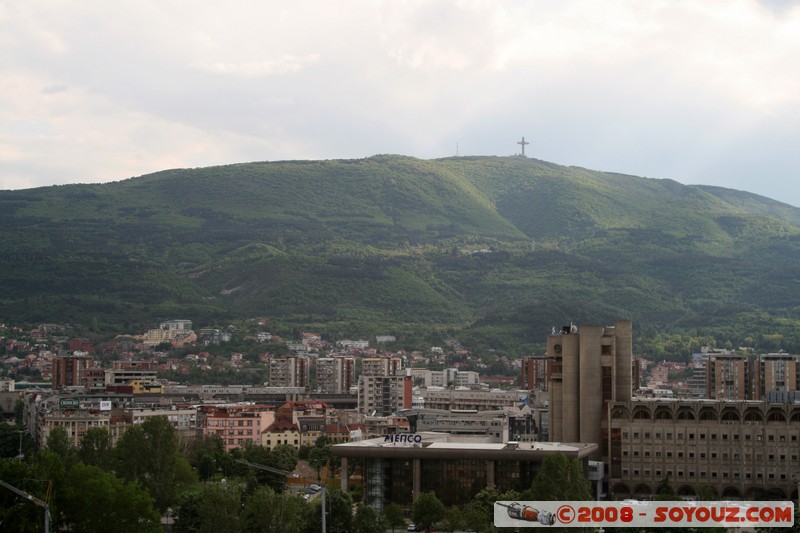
[(20, 456)]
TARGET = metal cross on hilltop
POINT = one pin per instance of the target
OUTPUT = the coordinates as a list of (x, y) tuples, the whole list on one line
[(523, 143)]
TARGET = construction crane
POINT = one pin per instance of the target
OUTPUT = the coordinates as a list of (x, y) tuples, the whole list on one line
[(34, 499)]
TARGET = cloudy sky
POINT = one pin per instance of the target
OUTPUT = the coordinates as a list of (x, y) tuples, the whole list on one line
[(700, 91)]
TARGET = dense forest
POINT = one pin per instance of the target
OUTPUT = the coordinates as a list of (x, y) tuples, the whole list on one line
[(492, 250)]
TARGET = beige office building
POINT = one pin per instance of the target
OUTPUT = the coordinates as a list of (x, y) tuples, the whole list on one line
[(589, 367), (741, 449)]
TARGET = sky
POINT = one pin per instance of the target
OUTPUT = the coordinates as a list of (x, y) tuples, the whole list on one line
[(699, 91)]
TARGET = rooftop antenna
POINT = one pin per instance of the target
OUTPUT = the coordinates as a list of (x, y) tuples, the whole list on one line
[(523, 143)]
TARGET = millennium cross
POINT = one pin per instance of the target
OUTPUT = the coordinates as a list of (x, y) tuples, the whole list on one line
[(523, 143)]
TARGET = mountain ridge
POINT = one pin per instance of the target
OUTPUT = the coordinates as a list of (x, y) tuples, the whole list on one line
[(474, 244)]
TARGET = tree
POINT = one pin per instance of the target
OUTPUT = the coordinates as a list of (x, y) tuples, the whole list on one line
[(395, 516), (206, 467), (210, 445), (318, 457), (17, 514), (368, 520), (149, 454), (561, 479), (220, 509), (339, 513), (187, 514), (95, 448), (427, 510), (119, 506), (58, 443), (284, 456), (266, 511), (454, 519)]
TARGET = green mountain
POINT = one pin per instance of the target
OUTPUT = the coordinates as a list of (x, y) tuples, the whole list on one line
[(499, 249)]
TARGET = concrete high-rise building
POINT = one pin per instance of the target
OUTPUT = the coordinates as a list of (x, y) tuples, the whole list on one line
[(382, 395), (590, 366), (335, 375), (727, 377), (381, 366), (774, 372), (534, 372), (67, 370), (382, 387), (289, 372)]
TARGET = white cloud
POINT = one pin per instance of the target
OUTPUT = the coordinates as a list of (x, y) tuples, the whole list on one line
[(97, 91)]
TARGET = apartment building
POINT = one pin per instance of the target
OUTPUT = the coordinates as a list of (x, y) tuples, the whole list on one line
[(732, 376), (236, 424), (335, 375), (67, 370), (740, 449), (533, 374), (289, 372), (281, 432)]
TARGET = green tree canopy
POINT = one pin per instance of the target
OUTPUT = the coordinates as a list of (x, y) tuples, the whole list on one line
[(395, 516), (368, 520), (149, 454), (266, 511), (92, 500), (561, 479), (59, 443), (95, 448), (427, 510)]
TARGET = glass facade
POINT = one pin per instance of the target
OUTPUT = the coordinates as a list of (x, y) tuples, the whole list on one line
[(388, 480), (454, 481), (514, 475)]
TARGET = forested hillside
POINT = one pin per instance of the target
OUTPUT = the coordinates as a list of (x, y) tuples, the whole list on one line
[(496, 250)]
